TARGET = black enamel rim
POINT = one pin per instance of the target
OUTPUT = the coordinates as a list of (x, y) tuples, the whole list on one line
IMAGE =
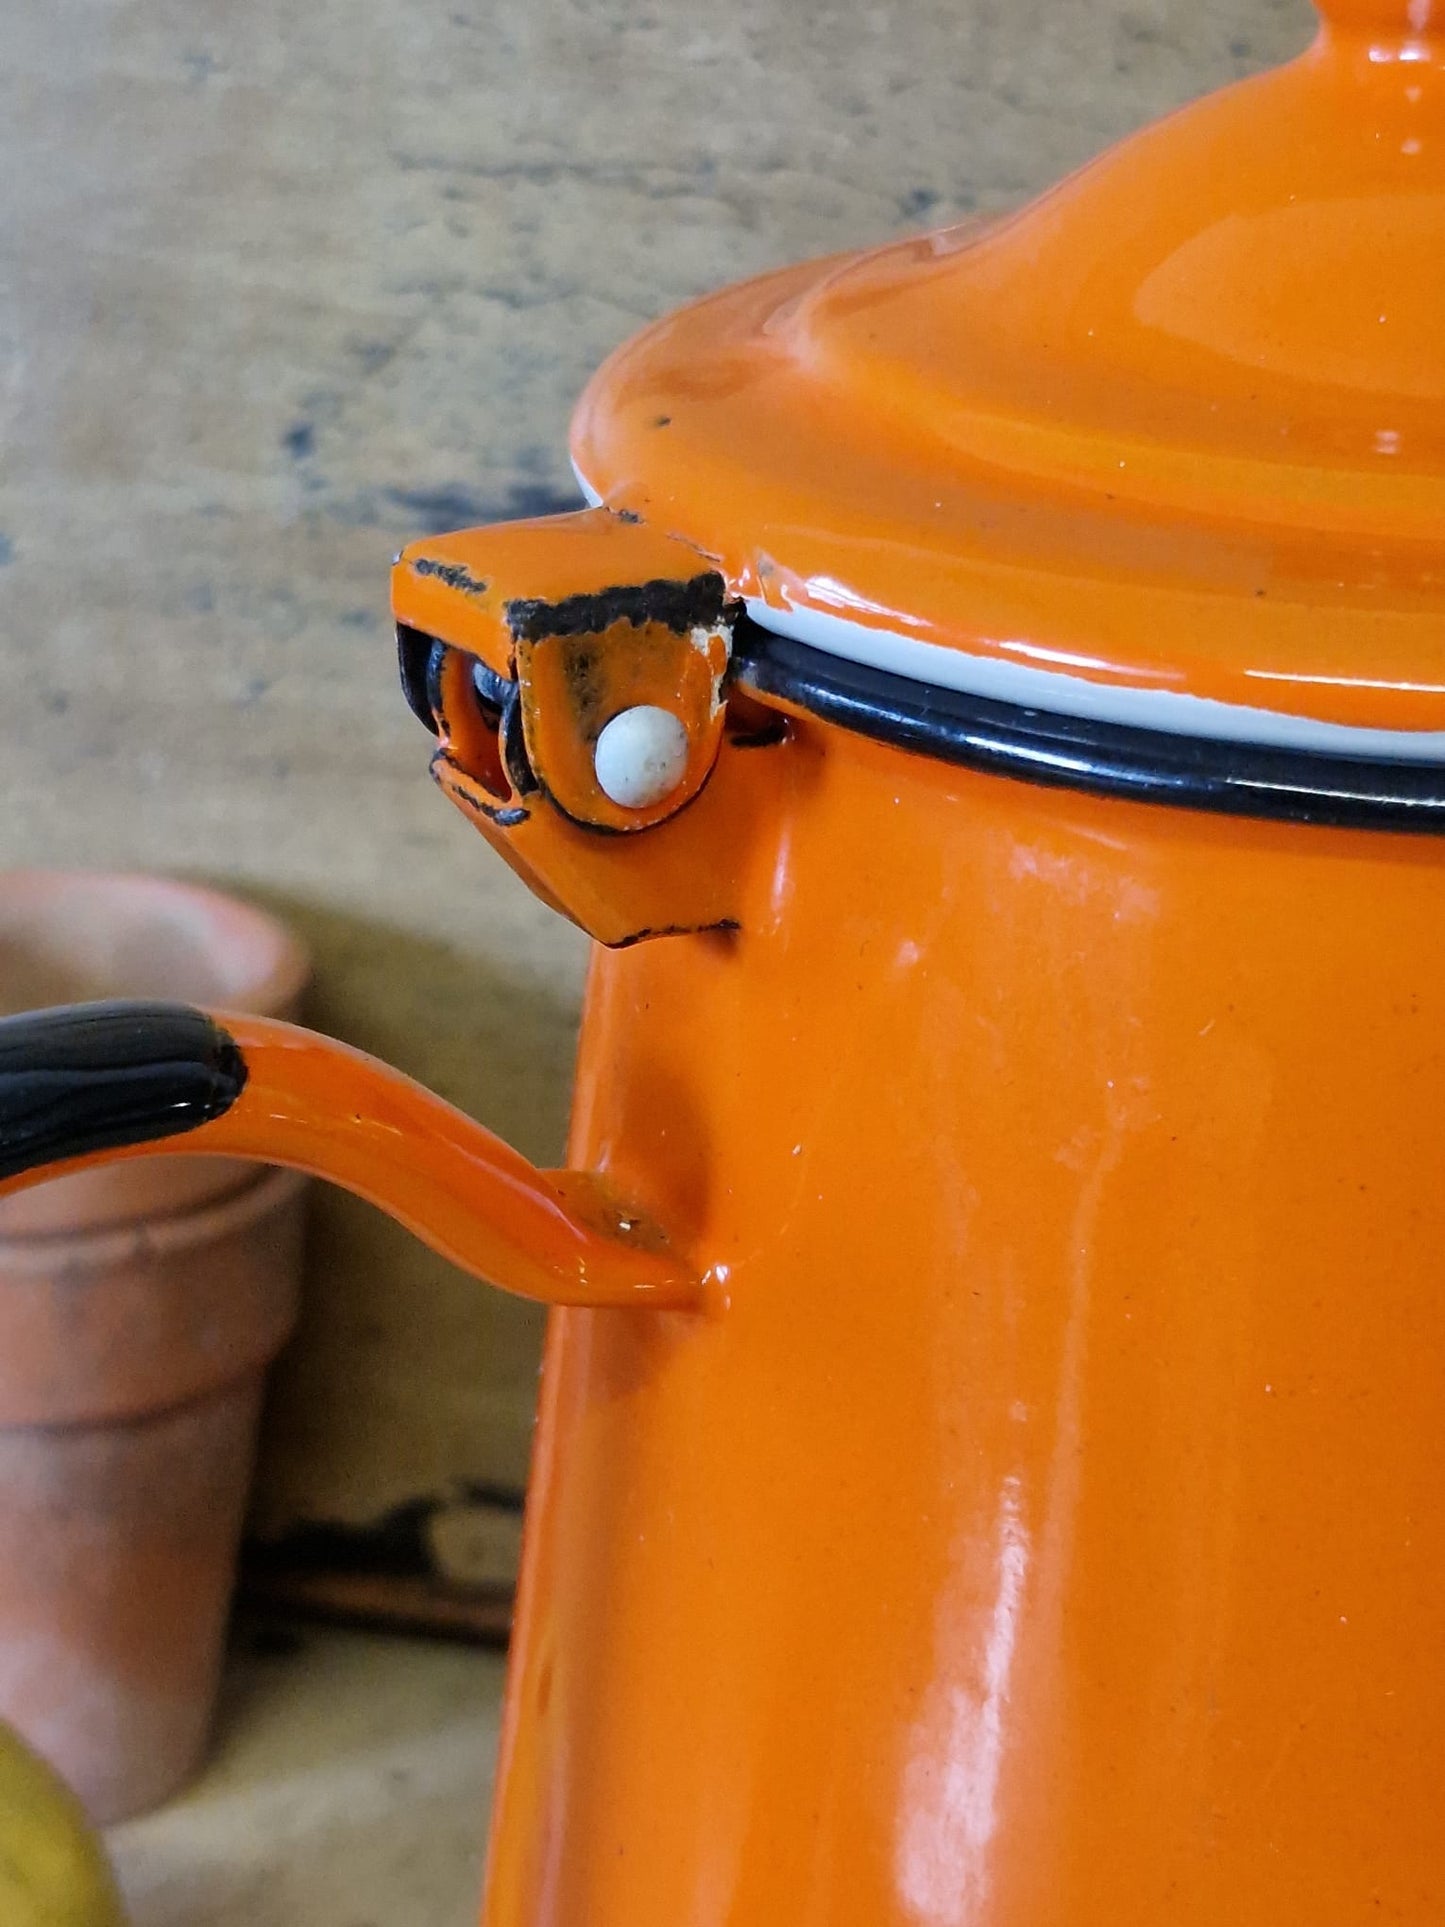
[(1075, 752)]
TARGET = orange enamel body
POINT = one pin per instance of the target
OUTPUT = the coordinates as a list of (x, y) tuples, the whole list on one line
[(1046, 1532), (1048, 1535)]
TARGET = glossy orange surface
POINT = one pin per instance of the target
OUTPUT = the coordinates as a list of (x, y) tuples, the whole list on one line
[(1048, 1533), (1045, 1534), (1178, 425), (562, 1237)]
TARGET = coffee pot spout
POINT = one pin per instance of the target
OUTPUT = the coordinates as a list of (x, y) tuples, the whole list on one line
[(87, 1084)]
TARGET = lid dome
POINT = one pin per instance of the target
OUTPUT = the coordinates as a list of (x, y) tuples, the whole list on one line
[(1169, 442)]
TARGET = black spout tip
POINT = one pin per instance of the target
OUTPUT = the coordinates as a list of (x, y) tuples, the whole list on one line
[(87, 1078)]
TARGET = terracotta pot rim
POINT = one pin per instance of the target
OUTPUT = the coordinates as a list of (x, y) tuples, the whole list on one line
[(79, 934), (161, 1235), (279, 987)]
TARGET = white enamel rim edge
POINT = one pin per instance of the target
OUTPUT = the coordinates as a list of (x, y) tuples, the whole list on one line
[(1060, 694)]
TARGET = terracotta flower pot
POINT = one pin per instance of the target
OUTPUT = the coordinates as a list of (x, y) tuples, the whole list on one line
[(68, 936), (139, 1309)]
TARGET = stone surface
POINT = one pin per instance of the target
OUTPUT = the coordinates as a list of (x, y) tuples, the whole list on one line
[(281, 286), (348, 1788)]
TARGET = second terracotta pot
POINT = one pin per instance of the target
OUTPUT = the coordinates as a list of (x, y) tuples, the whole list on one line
[(140, 1306), (132, 1367)]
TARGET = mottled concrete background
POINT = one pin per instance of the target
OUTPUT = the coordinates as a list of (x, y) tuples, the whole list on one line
[(284, 284)]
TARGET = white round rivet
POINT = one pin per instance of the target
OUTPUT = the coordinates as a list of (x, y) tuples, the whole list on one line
[(641, 757)]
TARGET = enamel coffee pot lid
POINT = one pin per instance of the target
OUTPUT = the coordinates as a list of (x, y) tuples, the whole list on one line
[(1167, 447)]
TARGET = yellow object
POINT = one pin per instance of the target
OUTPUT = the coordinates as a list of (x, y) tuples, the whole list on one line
[(53, 1869)]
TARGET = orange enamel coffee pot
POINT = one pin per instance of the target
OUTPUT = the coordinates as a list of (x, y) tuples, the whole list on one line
[(993, 722)]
